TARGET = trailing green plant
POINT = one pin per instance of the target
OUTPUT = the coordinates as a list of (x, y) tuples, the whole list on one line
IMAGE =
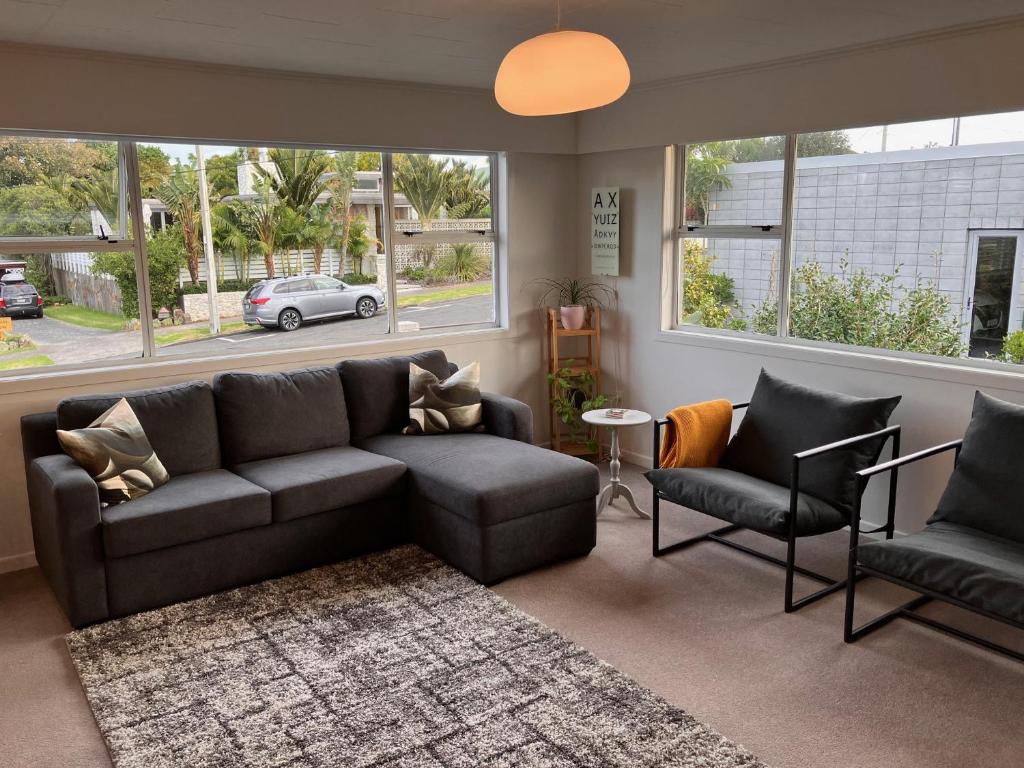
[(572, 395), (464, 264), (857, 308), (575, 292), (709, 298)]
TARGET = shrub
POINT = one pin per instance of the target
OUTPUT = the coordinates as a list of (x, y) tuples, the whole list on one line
[(709, 297), (1013, 348), (222, 285), (464, 264), (854, 307), (353, 278), (415, 274), (166, 252)]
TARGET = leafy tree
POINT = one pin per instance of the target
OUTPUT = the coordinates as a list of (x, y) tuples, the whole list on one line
[(154, 168), (367, 161), (817, 144), (854, 307), (101, 191), (824, 143), (709, 297), (222, 173), (180, 193), (38, 210), (166, 254), (468, 194), (28, 160)]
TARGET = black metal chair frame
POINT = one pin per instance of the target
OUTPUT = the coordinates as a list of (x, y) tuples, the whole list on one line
[(908, 610), (719, 534)]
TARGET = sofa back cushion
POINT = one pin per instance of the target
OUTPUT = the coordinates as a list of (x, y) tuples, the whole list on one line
[(377, 391), (180, 422), (265, 415), (987, 486), (785, 418)]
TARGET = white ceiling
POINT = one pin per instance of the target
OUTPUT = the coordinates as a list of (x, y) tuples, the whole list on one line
[(461, 42)]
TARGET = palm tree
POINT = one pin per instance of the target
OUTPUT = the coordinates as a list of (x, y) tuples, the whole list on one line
[(359, 242), (264, 216), (319, 232), (233, 235), (341, 185), (424, 181), (180, 193), (468, 195), (705, 172), (100, 191), (299, 176)]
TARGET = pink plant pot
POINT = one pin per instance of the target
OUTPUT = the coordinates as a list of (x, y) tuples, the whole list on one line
[(573, 317)]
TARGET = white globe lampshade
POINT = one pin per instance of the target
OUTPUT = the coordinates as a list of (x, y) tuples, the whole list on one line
[(561, 72)]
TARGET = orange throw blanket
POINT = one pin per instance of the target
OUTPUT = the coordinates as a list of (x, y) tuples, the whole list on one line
[(696, 435)]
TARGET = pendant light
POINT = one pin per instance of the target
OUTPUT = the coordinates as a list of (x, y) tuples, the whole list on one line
[(560, 72)]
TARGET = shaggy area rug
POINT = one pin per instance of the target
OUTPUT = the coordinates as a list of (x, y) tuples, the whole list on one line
[(394, 659)]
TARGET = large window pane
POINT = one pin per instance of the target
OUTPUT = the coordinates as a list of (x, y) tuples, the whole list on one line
[(59, 187), (68, 309), (735, 183), (906, 236), (729, 283), (297, 248), (457, 289)]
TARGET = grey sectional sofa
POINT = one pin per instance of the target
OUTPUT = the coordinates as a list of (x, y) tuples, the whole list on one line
[(273, 473)]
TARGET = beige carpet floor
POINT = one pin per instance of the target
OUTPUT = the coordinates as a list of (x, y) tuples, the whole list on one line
[(703, 627)]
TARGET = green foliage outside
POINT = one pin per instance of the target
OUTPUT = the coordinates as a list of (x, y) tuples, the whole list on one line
[(709, 297), (354, 278), (35, 361), (463, 265), (444, 294), (166, 252), (359, 242), (860, 309), (1013, 348)]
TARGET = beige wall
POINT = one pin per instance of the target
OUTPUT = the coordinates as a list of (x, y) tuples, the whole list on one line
[(66, 90), (927, 76), (541, 191)]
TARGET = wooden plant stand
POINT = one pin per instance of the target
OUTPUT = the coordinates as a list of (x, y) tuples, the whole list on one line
[(590, 360)]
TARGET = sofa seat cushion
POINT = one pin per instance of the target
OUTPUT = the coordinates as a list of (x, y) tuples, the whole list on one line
[(318, 481), (744, 500), (977, 568), (488, 479), (188, 508)]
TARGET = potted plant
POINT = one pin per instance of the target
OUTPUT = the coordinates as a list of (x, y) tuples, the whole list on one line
[(575, 296), (572, 395)]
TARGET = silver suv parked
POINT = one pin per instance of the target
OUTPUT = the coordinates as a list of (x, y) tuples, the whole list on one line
[(288, 302)]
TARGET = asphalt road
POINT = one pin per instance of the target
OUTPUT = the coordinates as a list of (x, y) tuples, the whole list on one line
[(45, 330), (473, 310)]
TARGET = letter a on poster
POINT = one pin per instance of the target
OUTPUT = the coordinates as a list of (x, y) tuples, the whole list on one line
[(604, 231)]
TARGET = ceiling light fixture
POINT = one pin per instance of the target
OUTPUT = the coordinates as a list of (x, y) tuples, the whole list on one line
[(560, 72)]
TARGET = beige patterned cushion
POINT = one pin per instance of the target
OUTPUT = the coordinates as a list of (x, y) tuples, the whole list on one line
[(116, 453), (452, 405)]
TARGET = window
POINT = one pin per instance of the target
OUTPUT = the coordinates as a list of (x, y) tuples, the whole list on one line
[(307, 235), (905, 238), (444, 241)]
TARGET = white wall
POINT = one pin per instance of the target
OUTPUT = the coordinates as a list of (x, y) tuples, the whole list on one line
[(67, 90), (541, 192), (658, 370)]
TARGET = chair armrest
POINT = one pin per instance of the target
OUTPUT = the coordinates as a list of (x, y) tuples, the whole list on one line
[(847, 442), (910, 458), (507, 417), (66, 529)]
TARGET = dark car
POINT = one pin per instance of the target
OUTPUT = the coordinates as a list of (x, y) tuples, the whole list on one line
[(20, 299)]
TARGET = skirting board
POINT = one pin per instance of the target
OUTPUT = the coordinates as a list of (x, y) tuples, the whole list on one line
[(17, 562)]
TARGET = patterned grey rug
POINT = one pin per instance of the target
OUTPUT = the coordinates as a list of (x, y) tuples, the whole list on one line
[(390, 660)]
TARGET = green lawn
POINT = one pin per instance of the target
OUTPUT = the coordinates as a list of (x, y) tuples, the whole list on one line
[(191, 334), (85, 317), (35, 361), (445, 294)]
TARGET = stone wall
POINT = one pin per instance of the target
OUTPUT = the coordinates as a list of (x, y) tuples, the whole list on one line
[(197, 305)]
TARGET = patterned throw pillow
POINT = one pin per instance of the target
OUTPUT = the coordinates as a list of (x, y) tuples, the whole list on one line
[(116, 453), (438, 407)]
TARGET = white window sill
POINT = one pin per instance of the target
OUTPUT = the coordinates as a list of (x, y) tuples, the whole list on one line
[(978, 373), (160, 369)]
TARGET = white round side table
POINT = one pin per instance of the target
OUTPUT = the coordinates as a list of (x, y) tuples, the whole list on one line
[(616, 487)]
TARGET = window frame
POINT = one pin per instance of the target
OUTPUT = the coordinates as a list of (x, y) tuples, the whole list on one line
[(133, 238), (674, 330)]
